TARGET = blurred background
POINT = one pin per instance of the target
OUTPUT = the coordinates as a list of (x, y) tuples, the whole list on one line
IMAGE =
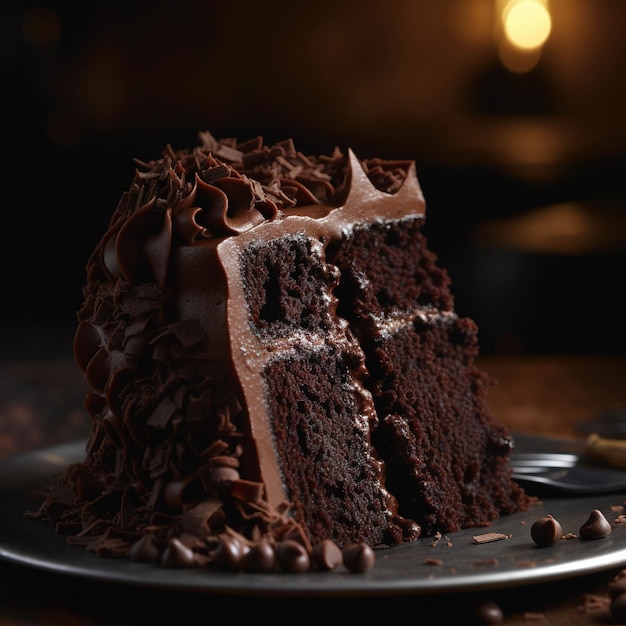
[(514, 111)]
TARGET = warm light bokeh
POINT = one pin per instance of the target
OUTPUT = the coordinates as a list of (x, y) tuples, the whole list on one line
[(523, 27), (527, 23)]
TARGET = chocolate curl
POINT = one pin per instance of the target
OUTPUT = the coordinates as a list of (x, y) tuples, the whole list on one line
[(247, 490), (204, 518), (223, 470), (177, 492), (301, 195), (86, 344), (98, 370), (229, 206), (108, 267), (145, 259), (157, 250)]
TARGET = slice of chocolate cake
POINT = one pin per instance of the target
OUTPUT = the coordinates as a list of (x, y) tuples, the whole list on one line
[(273, 354)]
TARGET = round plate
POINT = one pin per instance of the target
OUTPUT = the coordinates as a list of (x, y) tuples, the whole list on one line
[(454, 563)]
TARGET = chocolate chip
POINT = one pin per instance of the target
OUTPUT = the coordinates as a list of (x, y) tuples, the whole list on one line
[(359, 557), (228, 553), (177, 554), (293, 556), (260, 558), (546, 531), (596, 526), (327, 555), (488, 612), (145, 550)]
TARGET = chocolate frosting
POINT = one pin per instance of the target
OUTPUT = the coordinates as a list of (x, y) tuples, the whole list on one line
[(176, 454), (219, 189)]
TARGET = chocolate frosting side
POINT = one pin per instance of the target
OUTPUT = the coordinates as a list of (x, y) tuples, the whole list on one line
[(364, 203), (171, 430)]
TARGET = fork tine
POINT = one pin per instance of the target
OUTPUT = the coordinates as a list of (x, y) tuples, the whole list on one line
[(544, 455), (544, 462), (539, 461), (539, 466)]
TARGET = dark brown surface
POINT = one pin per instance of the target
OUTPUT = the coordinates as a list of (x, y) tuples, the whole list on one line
[(41, 405)]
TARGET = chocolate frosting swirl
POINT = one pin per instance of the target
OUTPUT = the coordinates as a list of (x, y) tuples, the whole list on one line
[(219, 189)]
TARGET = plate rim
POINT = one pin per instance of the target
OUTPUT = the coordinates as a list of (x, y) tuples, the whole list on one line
[(398, 570)]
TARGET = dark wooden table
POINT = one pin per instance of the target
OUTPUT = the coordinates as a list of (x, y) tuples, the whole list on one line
[(41, 405)]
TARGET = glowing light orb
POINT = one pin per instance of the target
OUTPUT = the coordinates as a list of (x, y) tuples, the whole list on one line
[(527, 24)]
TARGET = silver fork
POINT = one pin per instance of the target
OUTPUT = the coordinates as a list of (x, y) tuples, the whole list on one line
[(538, 462), (570, 473)]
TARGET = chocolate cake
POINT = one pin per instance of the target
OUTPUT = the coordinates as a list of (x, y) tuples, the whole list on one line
[(273, 355)]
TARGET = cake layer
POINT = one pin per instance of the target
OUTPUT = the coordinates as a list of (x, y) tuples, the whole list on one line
[(446, 459), (322, 440)]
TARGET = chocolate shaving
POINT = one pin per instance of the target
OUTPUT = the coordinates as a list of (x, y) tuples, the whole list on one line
[(489, 537), (162, 414)]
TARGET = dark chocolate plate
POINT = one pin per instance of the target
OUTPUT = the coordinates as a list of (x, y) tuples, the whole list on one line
[(454, 563)]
